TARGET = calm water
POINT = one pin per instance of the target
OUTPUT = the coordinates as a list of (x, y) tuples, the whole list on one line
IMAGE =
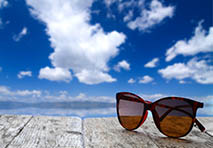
[(75, 108)]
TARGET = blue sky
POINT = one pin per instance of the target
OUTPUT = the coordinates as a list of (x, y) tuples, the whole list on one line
[(66, 50)]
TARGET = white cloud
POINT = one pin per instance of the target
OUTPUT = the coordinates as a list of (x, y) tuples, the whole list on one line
[(199, 70), (130, 4), (146, 79), (109, 2), (3, 3), (152, 63), (131, 81), (34, 93), (201, 41), (23, 74), (182, 82), (122, 64), (122, 5), (20, 35), (81, 96), (208, 100), (6, 91), (148, 18), (208, 105), (128, 16), (78, 46), (93, 77), (55, 74), (178, 71)]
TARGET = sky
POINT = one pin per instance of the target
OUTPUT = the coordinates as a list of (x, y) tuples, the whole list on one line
[(78, 54)]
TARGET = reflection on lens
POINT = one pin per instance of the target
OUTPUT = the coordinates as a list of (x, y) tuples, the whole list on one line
[(175, 126), (175, 121), (130, 113)]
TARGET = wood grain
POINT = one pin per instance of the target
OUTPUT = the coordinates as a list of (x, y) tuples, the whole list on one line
[(10, 127), (50, 132), (107, 132), (70, 132)]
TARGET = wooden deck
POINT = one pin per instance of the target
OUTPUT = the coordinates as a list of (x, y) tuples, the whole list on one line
[(73, 132)]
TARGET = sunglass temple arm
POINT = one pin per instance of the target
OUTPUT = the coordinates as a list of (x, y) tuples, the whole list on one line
[(201, 127)]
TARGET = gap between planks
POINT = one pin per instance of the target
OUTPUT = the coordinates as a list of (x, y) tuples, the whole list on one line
[(105, 132), (19, 131)]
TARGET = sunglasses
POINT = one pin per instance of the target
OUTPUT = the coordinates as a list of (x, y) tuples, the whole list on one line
[(173, 116)]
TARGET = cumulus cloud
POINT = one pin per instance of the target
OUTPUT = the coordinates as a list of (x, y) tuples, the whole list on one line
[(208, 105), (55, 74), (122, 5), (110, 2), (178, 71), (199, 70), (200, 42), (93, 77), (34, 93), (128, 16), (131, 81), (122, 65), (6, 91), (152, 63), (182, 82), (3, 3), (81, 96), (19, 36), (148, 18), (146, 79), (23, 74), (78, 46)]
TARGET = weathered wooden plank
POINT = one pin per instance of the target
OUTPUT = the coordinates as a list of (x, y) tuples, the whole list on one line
[(45, 132), (50, 132), (10, 126), (106, 132), (208, 122)]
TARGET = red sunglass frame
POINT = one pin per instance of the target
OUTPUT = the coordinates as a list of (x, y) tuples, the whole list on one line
[(151, 106)]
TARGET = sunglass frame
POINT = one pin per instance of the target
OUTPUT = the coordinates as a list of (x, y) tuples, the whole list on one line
[(151, 106)]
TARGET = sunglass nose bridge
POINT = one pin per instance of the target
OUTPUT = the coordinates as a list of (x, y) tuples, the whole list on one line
[(149, 105)]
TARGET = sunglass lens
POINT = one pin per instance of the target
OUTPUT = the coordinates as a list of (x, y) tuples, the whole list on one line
[(130, 112), (175, 117)]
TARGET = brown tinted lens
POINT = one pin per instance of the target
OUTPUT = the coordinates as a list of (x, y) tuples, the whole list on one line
[(130, 113), (175, 117)]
